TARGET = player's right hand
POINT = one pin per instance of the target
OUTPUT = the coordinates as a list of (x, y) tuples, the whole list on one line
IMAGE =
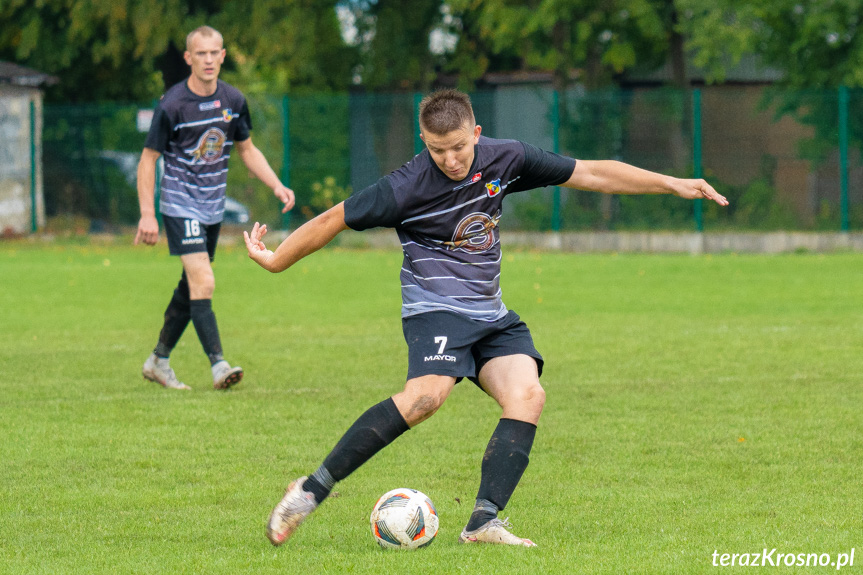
[(257, 250), (148, 231)]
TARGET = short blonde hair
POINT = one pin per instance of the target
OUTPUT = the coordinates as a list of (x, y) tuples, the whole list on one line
[(205, 31)]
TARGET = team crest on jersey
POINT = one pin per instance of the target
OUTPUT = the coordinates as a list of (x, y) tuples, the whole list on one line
[(227, 115), (474, 233), (215, 104), (493, 188), (209, 147)]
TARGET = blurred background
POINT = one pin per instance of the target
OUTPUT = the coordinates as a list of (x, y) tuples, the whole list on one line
[(762, 99)]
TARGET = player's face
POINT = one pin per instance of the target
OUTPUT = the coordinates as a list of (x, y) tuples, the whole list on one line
[(453, 151), (205, 56)]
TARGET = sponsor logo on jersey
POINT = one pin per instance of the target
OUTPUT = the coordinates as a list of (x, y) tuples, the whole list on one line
[(227, 115), (493, 188), (474, 233), (209, 147), (439, 357), (204, 106)]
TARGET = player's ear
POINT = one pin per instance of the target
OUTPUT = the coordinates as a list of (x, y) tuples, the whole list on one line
[(476, 132), (187, 56)]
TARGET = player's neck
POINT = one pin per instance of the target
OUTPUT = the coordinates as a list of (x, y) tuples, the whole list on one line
[(201, 88)]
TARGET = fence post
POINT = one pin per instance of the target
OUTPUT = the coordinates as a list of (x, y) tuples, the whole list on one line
[(33, 203), (696, 155), (843, 154), (286, 154), (418, 142), (555, 137)]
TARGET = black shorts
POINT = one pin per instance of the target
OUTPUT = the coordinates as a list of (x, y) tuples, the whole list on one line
[(189, 236), (447, 343)]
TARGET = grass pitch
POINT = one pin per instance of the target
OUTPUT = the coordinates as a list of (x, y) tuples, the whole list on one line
[(695, 404)]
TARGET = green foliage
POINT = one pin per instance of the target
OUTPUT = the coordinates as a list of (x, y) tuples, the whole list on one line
[(753, 206), (600, 39), (114, 49), (816, 44), (325, 195)]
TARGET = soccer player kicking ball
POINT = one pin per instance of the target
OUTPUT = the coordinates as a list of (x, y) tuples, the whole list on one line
[(195, 125), (445, 205)]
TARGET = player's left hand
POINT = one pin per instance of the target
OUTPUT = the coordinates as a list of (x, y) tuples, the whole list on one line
[(286, 196), (697, 188), (254, 244)]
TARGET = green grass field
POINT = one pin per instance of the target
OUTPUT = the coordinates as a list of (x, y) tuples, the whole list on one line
[(694, 404)]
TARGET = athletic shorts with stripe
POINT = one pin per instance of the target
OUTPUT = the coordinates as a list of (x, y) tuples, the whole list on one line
[(447, 343)]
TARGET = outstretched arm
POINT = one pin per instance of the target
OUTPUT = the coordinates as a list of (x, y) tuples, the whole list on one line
[(612, 177), (307, 239), (258, 165)]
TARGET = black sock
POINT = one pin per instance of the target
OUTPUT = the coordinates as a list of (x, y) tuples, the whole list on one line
[(503, 464), (208, 332), (379, 426), (177, 316)]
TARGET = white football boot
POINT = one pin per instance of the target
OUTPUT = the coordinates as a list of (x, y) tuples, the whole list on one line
[(292, 510), (495, 531), (157, 369), (225, 376)]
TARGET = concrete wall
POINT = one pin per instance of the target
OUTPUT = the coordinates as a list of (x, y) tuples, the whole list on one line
[(15, 163), (642, 242)]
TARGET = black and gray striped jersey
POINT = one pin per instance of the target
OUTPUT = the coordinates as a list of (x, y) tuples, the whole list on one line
[(195, 135), (449, 230)]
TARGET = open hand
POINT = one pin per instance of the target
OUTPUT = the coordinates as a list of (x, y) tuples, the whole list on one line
[(254, 244), (697, 188)]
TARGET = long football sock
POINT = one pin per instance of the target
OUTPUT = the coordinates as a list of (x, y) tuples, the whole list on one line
[(208, 331), (177, 316), (503, 464), (379, 426)]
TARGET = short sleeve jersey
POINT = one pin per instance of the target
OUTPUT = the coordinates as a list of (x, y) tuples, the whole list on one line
[(195, 134), (449, 230)]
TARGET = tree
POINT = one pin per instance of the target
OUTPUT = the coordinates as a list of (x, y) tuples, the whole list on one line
[(600, 38), (122, 49), (816, 44)]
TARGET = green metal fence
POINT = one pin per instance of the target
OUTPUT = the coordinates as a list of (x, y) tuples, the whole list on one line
[(787, 160)]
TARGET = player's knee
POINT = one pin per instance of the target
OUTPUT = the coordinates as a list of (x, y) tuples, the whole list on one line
[(534, 396), (203, 288)]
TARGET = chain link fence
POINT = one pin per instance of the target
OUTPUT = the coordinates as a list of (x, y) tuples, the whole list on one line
[(787, 160)]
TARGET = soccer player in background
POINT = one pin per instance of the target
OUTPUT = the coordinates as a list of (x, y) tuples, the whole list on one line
[(445, 205), (195, 126)]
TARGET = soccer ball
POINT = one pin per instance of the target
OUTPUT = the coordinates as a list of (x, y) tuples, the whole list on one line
[(404, 519)]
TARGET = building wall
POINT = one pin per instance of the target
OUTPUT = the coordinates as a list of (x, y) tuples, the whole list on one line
[(16, 187)]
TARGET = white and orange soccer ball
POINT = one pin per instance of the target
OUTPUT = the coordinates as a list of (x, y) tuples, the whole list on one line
[(404, 519)]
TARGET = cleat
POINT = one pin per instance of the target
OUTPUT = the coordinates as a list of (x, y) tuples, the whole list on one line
[(292, 510), (158, 370), (495, 531), (225, 376)]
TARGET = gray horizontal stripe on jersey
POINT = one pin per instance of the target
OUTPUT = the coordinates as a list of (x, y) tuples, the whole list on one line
[(186, 212), (433, 214), (179, 197), (193, 186), (217, 119), (185, 172)]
